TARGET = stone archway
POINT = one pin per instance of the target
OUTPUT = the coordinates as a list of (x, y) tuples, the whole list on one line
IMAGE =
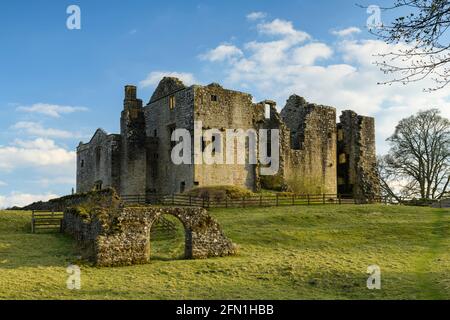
[(122, 237), (168, 239)]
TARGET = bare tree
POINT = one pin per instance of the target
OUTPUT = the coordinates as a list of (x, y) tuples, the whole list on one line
[(426, 53), (419, 159)]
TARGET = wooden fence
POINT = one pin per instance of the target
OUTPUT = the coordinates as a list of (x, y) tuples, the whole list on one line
[(46, 220), (253, 201)]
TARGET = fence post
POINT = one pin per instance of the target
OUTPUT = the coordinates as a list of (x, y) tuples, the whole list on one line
[(293, 200), (243, 202), (209, 202), (309, 201), (260, 200), (277, 200), (32, 222), (226, 201), (339, 199), (173, 199), (324, 198), (190, 201), (203, 202)]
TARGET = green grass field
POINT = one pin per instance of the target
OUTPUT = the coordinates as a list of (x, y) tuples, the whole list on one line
[(317, 252)]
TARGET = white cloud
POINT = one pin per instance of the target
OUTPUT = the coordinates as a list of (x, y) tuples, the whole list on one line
[(38, 153), (283, 28), (155, 77), (256, 15), (51, 110), (279, 67), (36, 129), (3, 184), (310, 53), (23, 199), (346, 32), (221, 53)]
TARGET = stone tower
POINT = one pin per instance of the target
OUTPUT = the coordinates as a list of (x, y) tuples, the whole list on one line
[(134, 154), (357, 163), (312, 158)]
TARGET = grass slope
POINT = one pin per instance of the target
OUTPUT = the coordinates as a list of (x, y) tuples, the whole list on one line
[(317, 252)]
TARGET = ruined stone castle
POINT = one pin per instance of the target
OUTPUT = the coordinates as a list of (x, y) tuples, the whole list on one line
[(317, 156)]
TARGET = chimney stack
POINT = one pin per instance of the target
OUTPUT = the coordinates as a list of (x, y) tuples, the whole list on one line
[(130, 92)]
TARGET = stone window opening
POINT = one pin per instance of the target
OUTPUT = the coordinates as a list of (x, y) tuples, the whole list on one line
[(340, 135), (82, 163), (98, 185), (98, 157), (182, 187), (214, 98), (172, 102), (217, 143), (342, 158), (269, 145), (155, 133), (268, 111)]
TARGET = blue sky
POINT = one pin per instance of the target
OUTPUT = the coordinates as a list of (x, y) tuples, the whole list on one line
[(59, 85)]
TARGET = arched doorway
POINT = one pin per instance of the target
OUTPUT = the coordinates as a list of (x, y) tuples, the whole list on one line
[(167, 239)]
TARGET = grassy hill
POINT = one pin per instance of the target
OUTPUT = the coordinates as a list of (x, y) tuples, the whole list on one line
[(317, 252)]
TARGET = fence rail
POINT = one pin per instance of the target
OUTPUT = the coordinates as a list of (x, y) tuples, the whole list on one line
[(46, 220), (253, 201)]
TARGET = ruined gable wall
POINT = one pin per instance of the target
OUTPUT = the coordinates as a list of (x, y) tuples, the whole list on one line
[(311, 167), (164, 176), (99, 160), (232, 110)]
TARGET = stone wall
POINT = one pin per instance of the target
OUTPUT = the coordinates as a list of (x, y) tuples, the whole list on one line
[(218, 108), (104, 198), (98, 162), (278, 181), (133, 160), (311, 167), (161, 119), (357, 169), (122, 237)]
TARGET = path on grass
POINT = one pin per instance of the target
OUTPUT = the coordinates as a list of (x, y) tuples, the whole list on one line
[(428, 265)]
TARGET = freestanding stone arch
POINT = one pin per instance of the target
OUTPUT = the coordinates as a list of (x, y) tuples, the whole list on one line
[(122, 237)]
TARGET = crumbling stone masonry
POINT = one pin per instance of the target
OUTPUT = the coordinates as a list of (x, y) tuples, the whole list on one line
[(121, 237), (107, 198), (357, 168), (138, 160), (312, 153)]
